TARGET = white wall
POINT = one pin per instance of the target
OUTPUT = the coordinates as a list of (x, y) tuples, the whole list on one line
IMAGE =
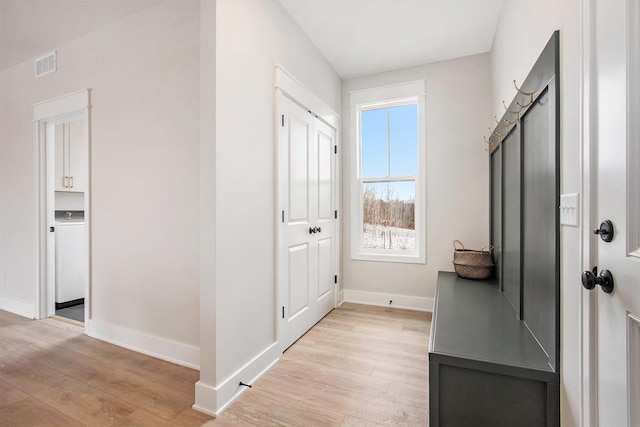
[(17, 198), (252, 36), (457, 178), (144, 74), (523, 31), (208, 300)]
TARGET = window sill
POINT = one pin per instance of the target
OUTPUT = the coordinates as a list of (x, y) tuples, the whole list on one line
[(399, 258)]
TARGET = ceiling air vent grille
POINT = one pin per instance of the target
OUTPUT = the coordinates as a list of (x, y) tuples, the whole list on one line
[(46, 64)]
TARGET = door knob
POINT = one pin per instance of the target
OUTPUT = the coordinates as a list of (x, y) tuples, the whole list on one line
[(312, 230), (318, 230), (605, 231), (605, 280)]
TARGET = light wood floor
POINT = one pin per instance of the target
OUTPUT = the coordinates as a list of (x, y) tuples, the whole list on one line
[(360, 366)]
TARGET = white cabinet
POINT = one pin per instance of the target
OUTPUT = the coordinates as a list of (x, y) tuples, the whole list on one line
[(70, 141), (71, 265)]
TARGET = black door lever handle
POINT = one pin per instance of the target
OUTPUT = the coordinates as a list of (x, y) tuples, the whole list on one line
[(605, 280)]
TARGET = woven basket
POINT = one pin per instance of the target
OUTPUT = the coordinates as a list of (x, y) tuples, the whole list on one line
[(472, 264)]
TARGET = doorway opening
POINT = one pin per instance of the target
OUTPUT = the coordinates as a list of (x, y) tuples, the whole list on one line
[(62, 135)]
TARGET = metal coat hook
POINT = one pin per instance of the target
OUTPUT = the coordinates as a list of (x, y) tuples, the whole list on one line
[(506, 123), (496, 134), (521, 91), (529, 94), (516, 113), (491, 144), (488, 141), (526, 105)]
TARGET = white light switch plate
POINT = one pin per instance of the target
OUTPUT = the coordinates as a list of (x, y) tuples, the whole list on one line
[(569, 209)]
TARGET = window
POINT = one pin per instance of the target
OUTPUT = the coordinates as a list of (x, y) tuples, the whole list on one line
[(388, 179)]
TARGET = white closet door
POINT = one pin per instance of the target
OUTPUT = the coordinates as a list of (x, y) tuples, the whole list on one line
[(308, 240)]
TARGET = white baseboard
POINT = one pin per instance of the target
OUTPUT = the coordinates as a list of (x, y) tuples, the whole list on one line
[(20, 308), (206, 398), (382, 300), (152, 345), (214, 400), (340, 297)]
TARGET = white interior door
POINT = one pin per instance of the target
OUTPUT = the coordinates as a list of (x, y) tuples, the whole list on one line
[(307, 230), (618, 195)]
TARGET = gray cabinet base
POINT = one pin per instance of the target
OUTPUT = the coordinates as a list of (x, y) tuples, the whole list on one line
[(468, 397), (485, 366)]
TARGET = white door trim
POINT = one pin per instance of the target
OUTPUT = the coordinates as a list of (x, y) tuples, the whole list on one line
[(71, 106), (288, 86), (588, 165), (297, 92), (633, 128)]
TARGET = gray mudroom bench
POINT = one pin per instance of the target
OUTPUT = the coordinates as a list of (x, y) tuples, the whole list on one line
[(485, 366)]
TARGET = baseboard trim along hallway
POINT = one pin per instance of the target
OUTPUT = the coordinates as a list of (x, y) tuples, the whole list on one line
[(388, 300), (158, 347)]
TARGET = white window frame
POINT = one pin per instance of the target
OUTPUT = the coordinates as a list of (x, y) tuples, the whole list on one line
[(385, 97)]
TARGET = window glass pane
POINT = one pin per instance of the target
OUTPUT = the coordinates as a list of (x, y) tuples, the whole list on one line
[(374, 134), (403, 132), (388, 210)]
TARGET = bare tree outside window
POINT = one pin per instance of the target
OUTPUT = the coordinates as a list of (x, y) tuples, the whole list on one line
[(388, 219)]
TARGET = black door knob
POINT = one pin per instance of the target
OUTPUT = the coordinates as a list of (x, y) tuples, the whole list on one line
[(605, 280), (312, 230), (605, 231)]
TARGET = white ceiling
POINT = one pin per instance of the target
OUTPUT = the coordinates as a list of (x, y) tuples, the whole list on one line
[(29, 28), (356, 36), (366, 36)]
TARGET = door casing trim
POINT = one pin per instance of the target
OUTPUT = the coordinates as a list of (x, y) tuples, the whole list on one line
[(73, 105)]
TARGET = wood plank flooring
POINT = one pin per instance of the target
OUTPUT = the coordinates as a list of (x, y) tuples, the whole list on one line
[(360, 366)]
